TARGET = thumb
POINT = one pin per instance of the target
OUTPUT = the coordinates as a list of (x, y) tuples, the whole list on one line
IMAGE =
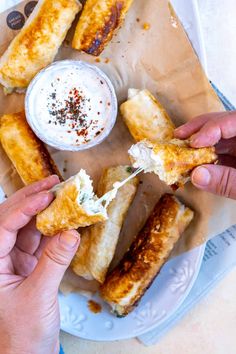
[(219, 180), (54, 261)]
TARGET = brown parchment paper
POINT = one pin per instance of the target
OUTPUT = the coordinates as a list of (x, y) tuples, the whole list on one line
[(162, 60)]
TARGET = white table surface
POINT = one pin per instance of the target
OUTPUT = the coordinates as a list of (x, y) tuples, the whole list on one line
[(210, 327)]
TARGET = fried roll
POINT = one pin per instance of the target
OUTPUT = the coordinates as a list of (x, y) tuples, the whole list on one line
[(97, 23), (145, 117), (26, 152), (98, 242), (37, 43), (75, 205), (172, 161), (128, 282)]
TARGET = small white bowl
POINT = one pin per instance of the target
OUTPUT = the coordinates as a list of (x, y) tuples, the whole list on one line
[(99, 95)]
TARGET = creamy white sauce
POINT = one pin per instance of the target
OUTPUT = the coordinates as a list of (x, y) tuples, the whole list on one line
[(71, 105)]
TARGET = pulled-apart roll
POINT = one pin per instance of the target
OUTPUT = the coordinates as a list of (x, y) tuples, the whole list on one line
[(127, 283), (75, 205), (173, 160), (26, 152), (97, 23), (37, 43), (98, 242), (145, 117)]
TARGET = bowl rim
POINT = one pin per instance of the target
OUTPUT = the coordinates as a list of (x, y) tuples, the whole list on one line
[(31, 118)]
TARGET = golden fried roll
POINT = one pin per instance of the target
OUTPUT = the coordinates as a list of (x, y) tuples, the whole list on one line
[(98, 242), (172, 161), (127, 283), (97, 23), (145, 117), (26, 152), (37, 43), (75, 205)]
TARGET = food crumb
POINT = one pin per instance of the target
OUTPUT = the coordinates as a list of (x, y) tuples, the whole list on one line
[(138, 19), (5, 196), (98, 60), (146, 26), (107, 60), (64, 169), (129, 169), (94, 307)]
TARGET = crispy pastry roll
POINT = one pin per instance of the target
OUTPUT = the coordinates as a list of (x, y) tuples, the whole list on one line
[(37, 43), (145, 117), (75, 205), (172, 161), (97, 23), (128, 282), (27, 153), (98, 242)]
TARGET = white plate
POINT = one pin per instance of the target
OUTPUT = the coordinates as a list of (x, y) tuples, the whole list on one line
[(163, 298), (176, 278)]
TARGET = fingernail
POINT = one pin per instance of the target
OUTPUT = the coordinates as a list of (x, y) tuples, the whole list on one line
[(201, 176), (178, 131), (69, 239)]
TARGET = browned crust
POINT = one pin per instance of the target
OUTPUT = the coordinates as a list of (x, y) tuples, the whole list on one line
[(36, 45), (146, 256), (98, 33), (27, 153), (64, 213)]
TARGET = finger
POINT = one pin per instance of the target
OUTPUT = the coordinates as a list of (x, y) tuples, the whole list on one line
[(227, 146), (6, 266), (18, 216), (54, 261), (43, 243), (34, 188), (23, 263), (191, 127), (216, 179), (215, 130), (28, 238)]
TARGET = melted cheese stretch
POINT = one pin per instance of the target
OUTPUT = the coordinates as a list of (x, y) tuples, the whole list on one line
[(109, 196), (86, 197), (143, 156)]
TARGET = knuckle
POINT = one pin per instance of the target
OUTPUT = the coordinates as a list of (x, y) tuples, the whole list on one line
[(226, 183), (56, 256)]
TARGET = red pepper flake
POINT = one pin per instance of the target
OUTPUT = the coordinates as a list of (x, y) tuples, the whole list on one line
[(71, 112), (100, 102), (109, 103)]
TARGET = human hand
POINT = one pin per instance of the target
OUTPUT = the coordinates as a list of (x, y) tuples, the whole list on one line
[(31, 269), (217, 129)]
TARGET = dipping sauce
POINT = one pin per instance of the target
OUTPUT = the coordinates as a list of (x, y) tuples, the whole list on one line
[(71, 105)]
